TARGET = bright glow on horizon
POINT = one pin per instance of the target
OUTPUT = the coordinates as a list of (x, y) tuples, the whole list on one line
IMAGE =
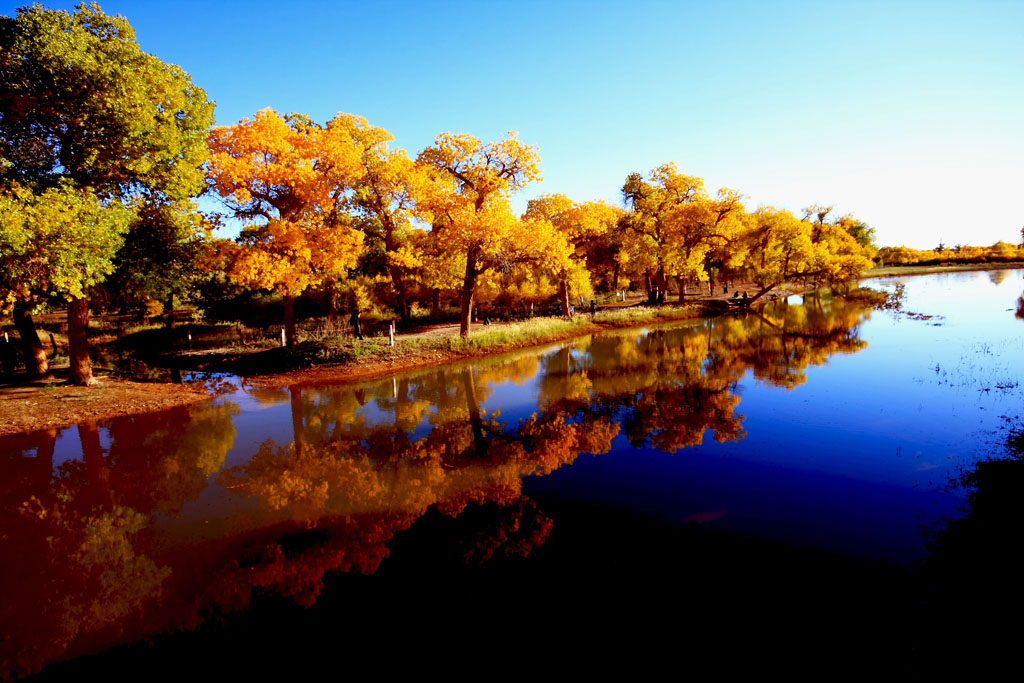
[(907, 115)]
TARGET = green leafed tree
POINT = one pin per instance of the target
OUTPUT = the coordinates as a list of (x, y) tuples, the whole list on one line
[(84, 112), (60, 241), (161, 256), (863, 233)]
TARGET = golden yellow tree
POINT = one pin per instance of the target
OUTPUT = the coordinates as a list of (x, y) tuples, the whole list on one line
[(676, 229), (576, 224), (432, 264), (383, 201), (845, 245), (290, 176), (779, 247), (648, 236), (471, 215), (701, 234)]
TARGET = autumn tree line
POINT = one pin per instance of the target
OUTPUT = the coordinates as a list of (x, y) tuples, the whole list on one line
[(104, 150), (1000, 252)]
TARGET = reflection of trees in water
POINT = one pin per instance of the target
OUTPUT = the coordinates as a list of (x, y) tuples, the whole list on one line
[(515, 530), (359, 485), (76, 564), (363, 464), (671, 386), (466, 455), (88, 574), (997, 277), (1020, 307)]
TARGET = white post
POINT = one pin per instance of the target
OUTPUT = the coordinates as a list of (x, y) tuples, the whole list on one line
[(391, 333), (6, 339), (282, 336)]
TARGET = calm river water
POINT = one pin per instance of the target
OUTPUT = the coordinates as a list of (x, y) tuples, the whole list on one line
[(819, 428)]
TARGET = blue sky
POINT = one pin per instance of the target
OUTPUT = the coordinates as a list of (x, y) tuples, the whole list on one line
[(908, 114)]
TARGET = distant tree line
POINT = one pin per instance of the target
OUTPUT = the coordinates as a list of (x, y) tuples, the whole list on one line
[(905, 256)]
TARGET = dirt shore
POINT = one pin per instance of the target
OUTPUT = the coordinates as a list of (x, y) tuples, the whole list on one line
[(49, 403)]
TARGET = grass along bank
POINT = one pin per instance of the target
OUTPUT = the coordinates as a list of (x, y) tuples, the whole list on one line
[(326, 355), (343, 358)]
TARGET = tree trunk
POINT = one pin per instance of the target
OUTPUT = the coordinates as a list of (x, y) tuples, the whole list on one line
[(36, 364), (615, 277), (169, 310), (403, 301), (297, 428), (44, 455), (289, 320), (100, 492), (78, 342), (682, 289), (563, 296), (475, 420), (435, 304), (401, 433), (468, 290), (332, 304), (761, 293)]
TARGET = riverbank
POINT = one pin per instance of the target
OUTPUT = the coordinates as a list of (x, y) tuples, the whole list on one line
[(344, 359), (48, 403)]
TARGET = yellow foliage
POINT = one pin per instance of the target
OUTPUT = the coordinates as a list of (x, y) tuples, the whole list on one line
[(468, 200), (289, 174)]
